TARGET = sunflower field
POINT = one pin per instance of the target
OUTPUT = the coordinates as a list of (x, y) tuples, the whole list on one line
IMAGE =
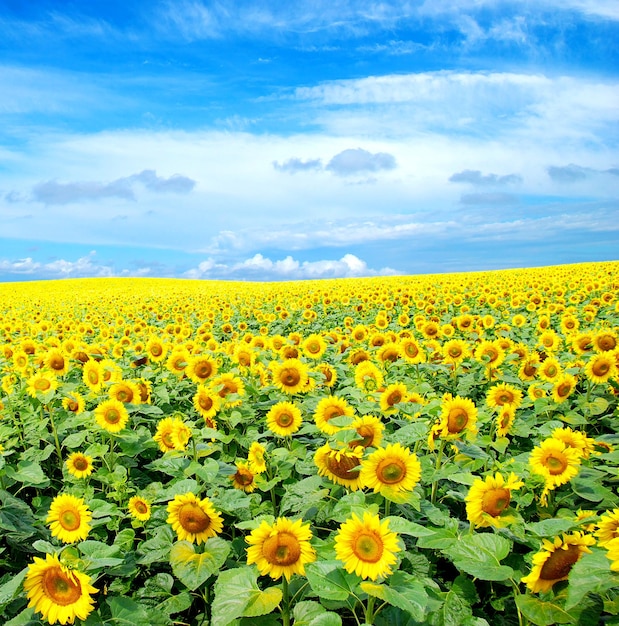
[(438, 450)]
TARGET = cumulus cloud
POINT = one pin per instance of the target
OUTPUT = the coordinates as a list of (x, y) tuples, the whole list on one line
[(54, 192), (358, 160), (573, 173), (294, 165), (475, 177), (262, 268)]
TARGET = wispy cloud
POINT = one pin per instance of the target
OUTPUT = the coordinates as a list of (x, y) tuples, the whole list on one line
[(54, 192), (358, 160), (573, 173), (475, 177), (493, 199), (294, 165)]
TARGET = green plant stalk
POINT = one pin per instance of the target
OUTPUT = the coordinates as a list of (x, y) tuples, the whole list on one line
[(437, 466), (387, 507), (285, 608), (369, 611), (55, 434)]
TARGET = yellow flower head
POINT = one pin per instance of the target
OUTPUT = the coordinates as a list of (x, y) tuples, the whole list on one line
[(284, 418), (255, 457), (391, 471), (139, 508), (192, 519), (79, 465), (42, 382), (503, 395), (556, 462), (111, 415), (281, 549), (172, 434), (329, 408), (243, 479), (69, 518), (608, 527), (458, 416), (339, 466), (367, 547), (58, 593), (290, 376), (393, 394), (488, 500)]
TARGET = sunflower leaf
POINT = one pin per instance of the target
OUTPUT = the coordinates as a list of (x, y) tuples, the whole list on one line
[(480, 556), (543, 613), (403, 591), (329, 580), (193, 569), (590, 574)]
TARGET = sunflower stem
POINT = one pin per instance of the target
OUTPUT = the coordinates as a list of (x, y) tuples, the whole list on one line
[(437, 466), (369, 611), (55, 433), (285, 610), (387, 507)]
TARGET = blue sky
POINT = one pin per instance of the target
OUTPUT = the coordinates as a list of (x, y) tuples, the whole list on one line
[(268, 140)]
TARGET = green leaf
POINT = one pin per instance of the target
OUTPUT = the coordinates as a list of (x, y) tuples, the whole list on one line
[(550, 527), (11, 589), (310, 613), (25, 618), (158, 548), (543, 613), (175, 604), (403, 526), (75, 439), (194, 569), (353, 502), (237, 595), (28, 472), (403, 591), (126, 611), (479, 555), (329, 580), (590, 574)]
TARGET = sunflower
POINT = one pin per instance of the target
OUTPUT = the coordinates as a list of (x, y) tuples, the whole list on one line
[(490, 354), (290, 376), (329, 375), (504, 421), (455, 351), (613, 554), (111, 415), (608, 527), (583, 343), (201, 368), (314, 346), (600, 368), (549, 370), (368, 377), (370, 430), (79, 465), (178, 361), (411, 351), (367, 547), (139, 508), (284, 419), (92, 375), (339, 466), (156, 349), (172, 434), (458, 415), (255, 457), (58, 593), (554, 561), (563, 387), (528, 366), (392, 471), (21, 361), (358, 356), (555, 461), (503, 395), (207, 403), (392, 395), (57, 361), (536, 391), (329, 408), (281, 549), (74, 402), (229, 385), (125, 391), (605, 341), (192, 519), (243, 479), (390, 352), (42, 382), (69, 518), (488, 500)]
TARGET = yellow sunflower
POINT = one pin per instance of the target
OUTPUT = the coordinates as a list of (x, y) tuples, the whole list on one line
[(207, 403), (139, 508), (490, 354), (243, 479), (392, 395), (229, 385), (58, 593), (575, 439), (172, 434), (178, 361), (42, 382), (69, 518), (392, 471), (290, 376), (528, 366), (329, 375), (613, 554), (503, 395), (201, 368), (156, 349), (111, 415), (255, 457), (555, 560), (192, 519), (504, 421), (370, 430), (455, 351), (556, 462), (608, 527), (339, 466), (92, 375), (368, 377), (549, 370), (329, 408), (605, 340), (367, 547), (57, 361), (563, 387), (488, 500), (74, 402), (284, 419), (281, 549), (314, 346), (79, 465), (125, 391), (600, 368), (458, 415)]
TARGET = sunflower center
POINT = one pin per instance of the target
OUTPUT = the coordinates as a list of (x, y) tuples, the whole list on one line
[(551, 371), (529, 369), (394, 398), (556, 464), (60, 588), (203, 369), (457, 420), (80, 463), (284, 419), (342, 467), (367, 436), (313, 348), (606, 343), (229, 387), (156, 350), (112, 416), (455, 352), (72, 405), (495, 501), (93, 377), (290, 377), (282, 549), (193, 519), (244, 478), (504, 398), (391, 471), (42, 384), (124, 395), (205, 403), (411, 350), (563, 390), (559, 564), (368, 547), (69, 519), (56, 363), (141, 507), (600, 368)]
